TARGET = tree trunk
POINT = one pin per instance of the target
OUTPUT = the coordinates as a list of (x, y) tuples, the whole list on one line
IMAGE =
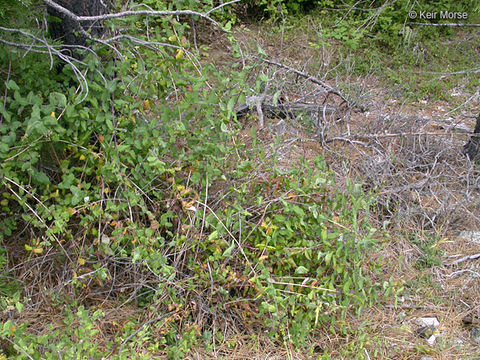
[(472, 148), (67, 30)]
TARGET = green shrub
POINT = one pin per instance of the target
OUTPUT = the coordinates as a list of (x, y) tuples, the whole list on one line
[(116, 179)]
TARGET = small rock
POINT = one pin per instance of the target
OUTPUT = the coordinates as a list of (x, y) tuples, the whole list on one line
[(473, 236), (472, 318), (428, 321), (425, 358), (475, 335)]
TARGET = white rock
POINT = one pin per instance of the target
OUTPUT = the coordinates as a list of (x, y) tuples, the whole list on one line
[(428, 321), (473, 236), (431, 339)]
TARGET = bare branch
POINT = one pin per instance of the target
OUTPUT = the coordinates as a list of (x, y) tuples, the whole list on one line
[(127, 13), (465, 258), (313, 79), (150, 44), (222, 6), (387, 135), (462, 72), (66, 58)]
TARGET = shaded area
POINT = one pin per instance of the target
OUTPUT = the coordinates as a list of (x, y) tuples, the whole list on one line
[(68, 30), (471, 149)]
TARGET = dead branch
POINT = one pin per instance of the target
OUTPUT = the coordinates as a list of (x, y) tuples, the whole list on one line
[(465, 258), (325, 86), (128, 13), (66, 58), (463, 72), (222, 6), (387, 135)]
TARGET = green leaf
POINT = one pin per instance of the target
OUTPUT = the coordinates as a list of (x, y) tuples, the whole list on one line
[(346, 285), (230, 105), (41, 177), (301, 270), (328, 258), (57, 99), (19, 306), (12, 85), (260, 51), (263, 78), (4, 148), (111, 86), (213, 236), (275, 97), (229, 250)]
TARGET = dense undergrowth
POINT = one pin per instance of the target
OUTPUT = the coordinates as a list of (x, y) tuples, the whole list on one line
[(137, 194), (108, 198)]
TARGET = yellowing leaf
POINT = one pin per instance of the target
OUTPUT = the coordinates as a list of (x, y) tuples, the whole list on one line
[(81, 261), (179, 54), (38, 250), (106, 190), (52, 114), (146, 104), (291, 196), (82, 157), (172, 38), (4, 202), (189, 205)]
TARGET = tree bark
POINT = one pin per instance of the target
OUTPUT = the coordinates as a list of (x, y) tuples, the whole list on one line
[(68, 30), (472, 148)]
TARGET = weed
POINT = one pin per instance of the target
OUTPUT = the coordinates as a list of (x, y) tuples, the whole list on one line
[(431, 254)]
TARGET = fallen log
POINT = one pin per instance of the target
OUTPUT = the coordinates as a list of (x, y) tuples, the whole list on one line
[(318, 113)]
